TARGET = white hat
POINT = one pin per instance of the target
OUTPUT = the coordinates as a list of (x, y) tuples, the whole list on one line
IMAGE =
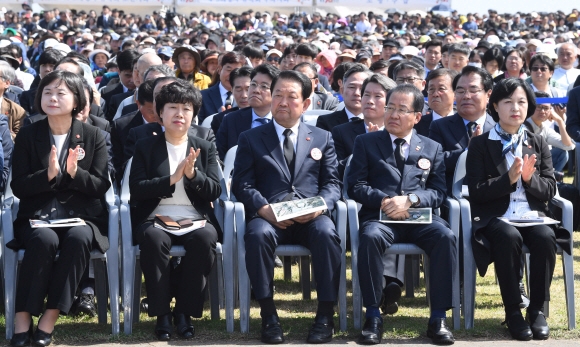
[(63, 47), (546, 50), (97, 51), (410, 50), (273, 51), (48, 43), (493, 39)]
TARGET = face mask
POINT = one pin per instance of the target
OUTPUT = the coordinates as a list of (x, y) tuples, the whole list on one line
[(474, 64)]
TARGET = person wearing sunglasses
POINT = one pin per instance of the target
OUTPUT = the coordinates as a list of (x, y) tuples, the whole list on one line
[(273, 57), (166, 53)]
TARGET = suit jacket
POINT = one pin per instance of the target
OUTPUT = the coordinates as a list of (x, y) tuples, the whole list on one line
[(323, 80), (218, 118), (15, 114), (83, 196), (424, 124), (374, 174), (329, 121), (15, 97), (110, 90), (115, 102), (261, 175), (105, 24), (211, 102), (451, 133), (573, 113), (322, 101), (490, 188), (7, 148), (26, 101), (119, 134), (129, 108), (153, 129), (232, 126), (150, 177), (344, 136)]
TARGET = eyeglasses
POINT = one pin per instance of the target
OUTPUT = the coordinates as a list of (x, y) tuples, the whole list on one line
[(400, 112), (462, 92), (164, 57), (536, 68), (544, 108), (263, 87), (409, 80), (277, 60)]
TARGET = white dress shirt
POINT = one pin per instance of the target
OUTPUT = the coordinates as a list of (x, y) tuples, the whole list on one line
[(405, 145), (255, 123), (280, 132), (563, 78), (351, 115)]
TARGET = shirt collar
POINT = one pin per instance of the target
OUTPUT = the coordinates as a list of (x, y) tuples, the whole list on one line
[(223, 90), (255, 116), (280, 129), (352, 115), (479, 121), (407, 138)]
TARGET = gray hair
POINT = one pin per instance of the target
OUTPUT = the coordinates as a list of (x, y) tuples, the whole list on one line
[(7, 72), (163, 69)]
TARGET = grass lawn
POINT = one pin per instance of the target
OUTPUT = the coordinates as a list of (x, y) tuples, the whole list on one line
[(297, 315)]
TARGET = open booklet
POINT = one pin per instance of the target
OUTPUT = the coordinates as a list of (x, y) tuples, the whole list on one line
[(295, 208), (529, 219), (198, 224), (416, 216), (56, 223)]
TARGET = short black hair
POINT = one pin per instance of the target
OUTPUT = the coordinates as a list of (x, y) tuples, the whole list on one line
[(543, 59), (486, 79), (308, 65), (297, 77), (50, 57), (252, 52), (145, 92), (356, 68), (458, 48), (492, 54), (540, 94), (13, 47), (409, 65), (78, 56), (386, 83), (307, 49), (163, 79), (244, 71), (418, 98), (504, 89), (440, 73), (178, 93), (338, 74), (73, 82), (435, 43), (266, 69), (379, 64), (70, 60), (125, 59)]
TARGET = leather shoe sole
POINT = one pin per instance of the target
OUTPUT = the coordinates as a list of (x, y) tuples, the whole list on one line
[(320, 333), (440, 340), (391, 294)]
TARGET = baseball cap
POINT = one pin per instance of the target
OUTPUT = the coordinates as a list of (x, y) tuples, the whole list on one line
[(391, 43), (166, 51)]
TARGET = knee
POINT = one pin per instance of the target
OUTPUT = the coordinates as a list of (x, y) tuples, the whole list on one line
[(447, 236), (80, 236), (369, 235), (202, 239), (43, 238), (258, 233), (154, 239)]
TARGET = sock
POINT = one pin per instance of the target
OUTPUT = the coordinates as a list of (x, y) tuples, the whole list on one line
[(267, 307), (325, 308), (437, 314), (373, 311)]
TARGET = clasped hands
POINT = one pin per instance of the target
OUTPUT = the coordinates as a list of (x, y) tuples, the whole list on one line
[(71, 163), (185, 168), (523, 168), (267, 213), (396, 207)]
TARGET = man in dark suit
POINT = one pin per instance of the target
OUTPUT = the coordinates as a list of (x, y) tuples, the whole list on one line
[(125, 61), (319, 101), (260, 101), (392, 171), (240, 81), (284, 160), (573, 113), (440, 95), (472, 90), (106, 21), (352, 83), (212, 101)]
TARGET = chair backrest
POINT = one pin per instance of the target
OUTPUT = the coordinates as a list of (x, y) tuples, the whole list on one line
[(344, 181), (340, 106), (125, 194), (207, 121), (227, 173), (309, 117), (15, 89), (458, 176)]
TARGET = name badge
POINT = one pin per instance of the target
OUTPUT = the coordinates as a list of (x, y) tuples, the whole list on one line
[(316, 154)]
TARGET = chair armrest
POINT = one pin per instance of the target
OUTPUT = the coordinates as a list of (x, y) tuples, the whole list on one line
[(567, 214), (454, 214)]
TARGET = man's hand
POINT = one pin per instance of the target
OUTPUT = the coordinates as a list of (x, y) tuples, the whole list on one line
[(396, 206), (307, 217), (372, 127), (478, 131), (267, 213)]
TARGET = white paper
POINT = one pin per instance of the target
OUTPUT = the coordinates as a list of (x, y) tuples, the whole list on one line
[(57, 223), (198, 224), (295, 208)]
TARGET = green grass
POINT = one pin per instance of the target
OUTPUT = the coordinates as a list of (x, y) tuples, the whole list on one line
[(296, 315)]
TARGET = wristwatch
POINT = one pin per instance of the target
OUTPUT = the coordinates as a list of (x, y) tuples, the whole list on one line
[(414, 199)]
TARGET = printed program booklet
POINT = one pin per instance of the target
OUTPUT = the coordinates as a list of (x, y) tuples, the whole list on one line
[(529, 219), (416, 216), (295, 208), (56, 223), (182, 231)]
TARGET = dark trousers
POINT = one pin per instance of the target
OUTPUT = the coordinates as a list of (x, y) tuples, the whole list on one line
[(436, 239), (40, 275), (319, 236), (506, 252), (196, 265)]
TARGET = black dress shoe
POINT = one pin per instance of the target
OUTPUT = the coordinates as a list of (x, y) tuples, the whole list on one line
[(372, 332), (23, 338), (525, 300), (538, 324), (391, 294), (438, 331), (144, 306), (41, 338), (321, 331), (85, 303), (163, 327), (518, 328), (183, 325), (272, 330)]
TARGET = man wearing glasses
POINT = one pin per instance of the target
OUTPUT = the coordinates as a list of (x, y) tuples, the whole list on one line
[(472, 90), (411, 73), (260, 100), (166, 53), (405, 172)]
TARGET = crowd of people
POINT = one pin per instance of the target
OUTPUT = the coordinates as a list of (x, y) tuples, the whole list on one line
[(407, 94)]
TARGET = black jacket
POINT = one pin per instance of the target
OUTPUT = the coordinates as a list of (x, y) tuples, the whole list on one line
[(329, 121)]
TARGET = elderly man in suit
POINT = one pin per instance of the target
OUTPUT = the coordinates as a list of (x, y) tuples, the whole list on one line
[(318, 101), (259, 112), (472, 90), (352, 82), (391, 171), (285, 160), (11, 109)]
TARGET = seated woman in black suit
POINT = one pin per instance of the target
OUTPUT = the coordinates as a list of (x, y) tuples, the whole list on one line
[(175, 175), (59, 171), (510, 173)]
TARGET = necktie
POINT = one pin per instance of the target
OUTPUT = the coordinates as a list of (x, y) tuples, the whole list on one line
[(399, 157), (471, 128), (262, 121), (229, 99), (288, 148)]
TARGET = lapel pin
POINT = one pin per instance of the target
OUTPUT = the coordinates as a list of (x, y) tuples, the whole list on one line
[(316, 154), (529, 146), (154, 133), (78, 136), (80, 153), (417, 148), (308, 139)]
